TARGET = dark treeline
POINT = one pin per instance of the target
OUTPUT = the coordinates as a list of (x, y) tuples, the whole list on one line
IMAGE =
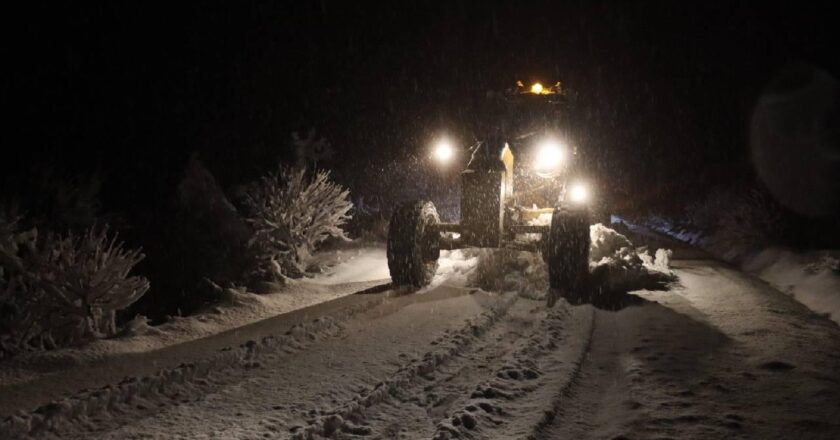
[(132, 88)]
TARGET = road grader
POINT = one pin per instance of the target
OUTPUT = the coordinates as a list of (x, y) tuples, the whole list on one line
[(502, 194)]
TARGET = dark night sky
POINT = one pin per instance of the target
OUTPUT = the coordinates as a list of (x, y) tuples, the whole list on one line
[(665, 88)]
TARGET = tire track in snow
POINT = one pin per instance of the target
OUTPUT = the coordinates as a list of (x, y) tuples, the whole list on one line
[(524, 393), (416, 409), (595, 402), (571, 381), (344, 418), (136, 397)]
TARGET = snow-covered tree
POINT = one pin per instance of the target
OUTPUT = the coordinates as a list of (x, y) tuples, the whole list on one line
[(292, 211)]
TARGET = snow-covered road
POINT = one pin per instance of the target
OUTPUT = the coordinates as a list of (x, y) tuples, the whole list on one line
[(719, 355)]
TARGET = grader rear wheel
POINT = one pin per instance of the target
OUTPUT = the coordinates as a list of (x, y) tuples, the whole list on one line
[(413, 244)]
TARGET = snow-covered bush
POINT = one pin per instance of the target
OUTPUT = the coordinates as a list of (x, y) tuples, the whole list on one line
[(292, 211), (89, 274), (58, 290)]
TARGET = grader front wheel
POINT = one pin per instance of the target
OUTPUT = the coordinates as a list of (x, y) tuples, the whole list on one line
[(567, 255)]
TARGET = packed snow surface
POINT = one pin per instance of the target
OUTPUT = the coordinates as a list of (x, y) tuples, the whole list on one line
[(356, 265)]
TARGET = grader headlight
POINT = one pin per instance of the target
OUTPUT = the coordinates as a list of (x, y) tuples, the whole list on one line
[(443, 151), (549, 159), (579, 193)]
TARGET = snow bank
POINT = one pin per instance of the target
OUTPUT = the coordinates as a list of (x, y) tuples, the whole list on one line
[(606, 243), (812, 278), (618, 267), (239, 308)]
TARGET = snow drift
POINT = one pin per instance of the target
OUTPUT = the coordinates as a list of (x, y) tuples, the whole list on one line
[(615, 264)]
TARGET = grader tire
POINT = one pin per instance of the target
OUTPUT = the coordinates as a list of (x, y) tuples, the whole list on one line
[(567, 254), (413, 244)]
